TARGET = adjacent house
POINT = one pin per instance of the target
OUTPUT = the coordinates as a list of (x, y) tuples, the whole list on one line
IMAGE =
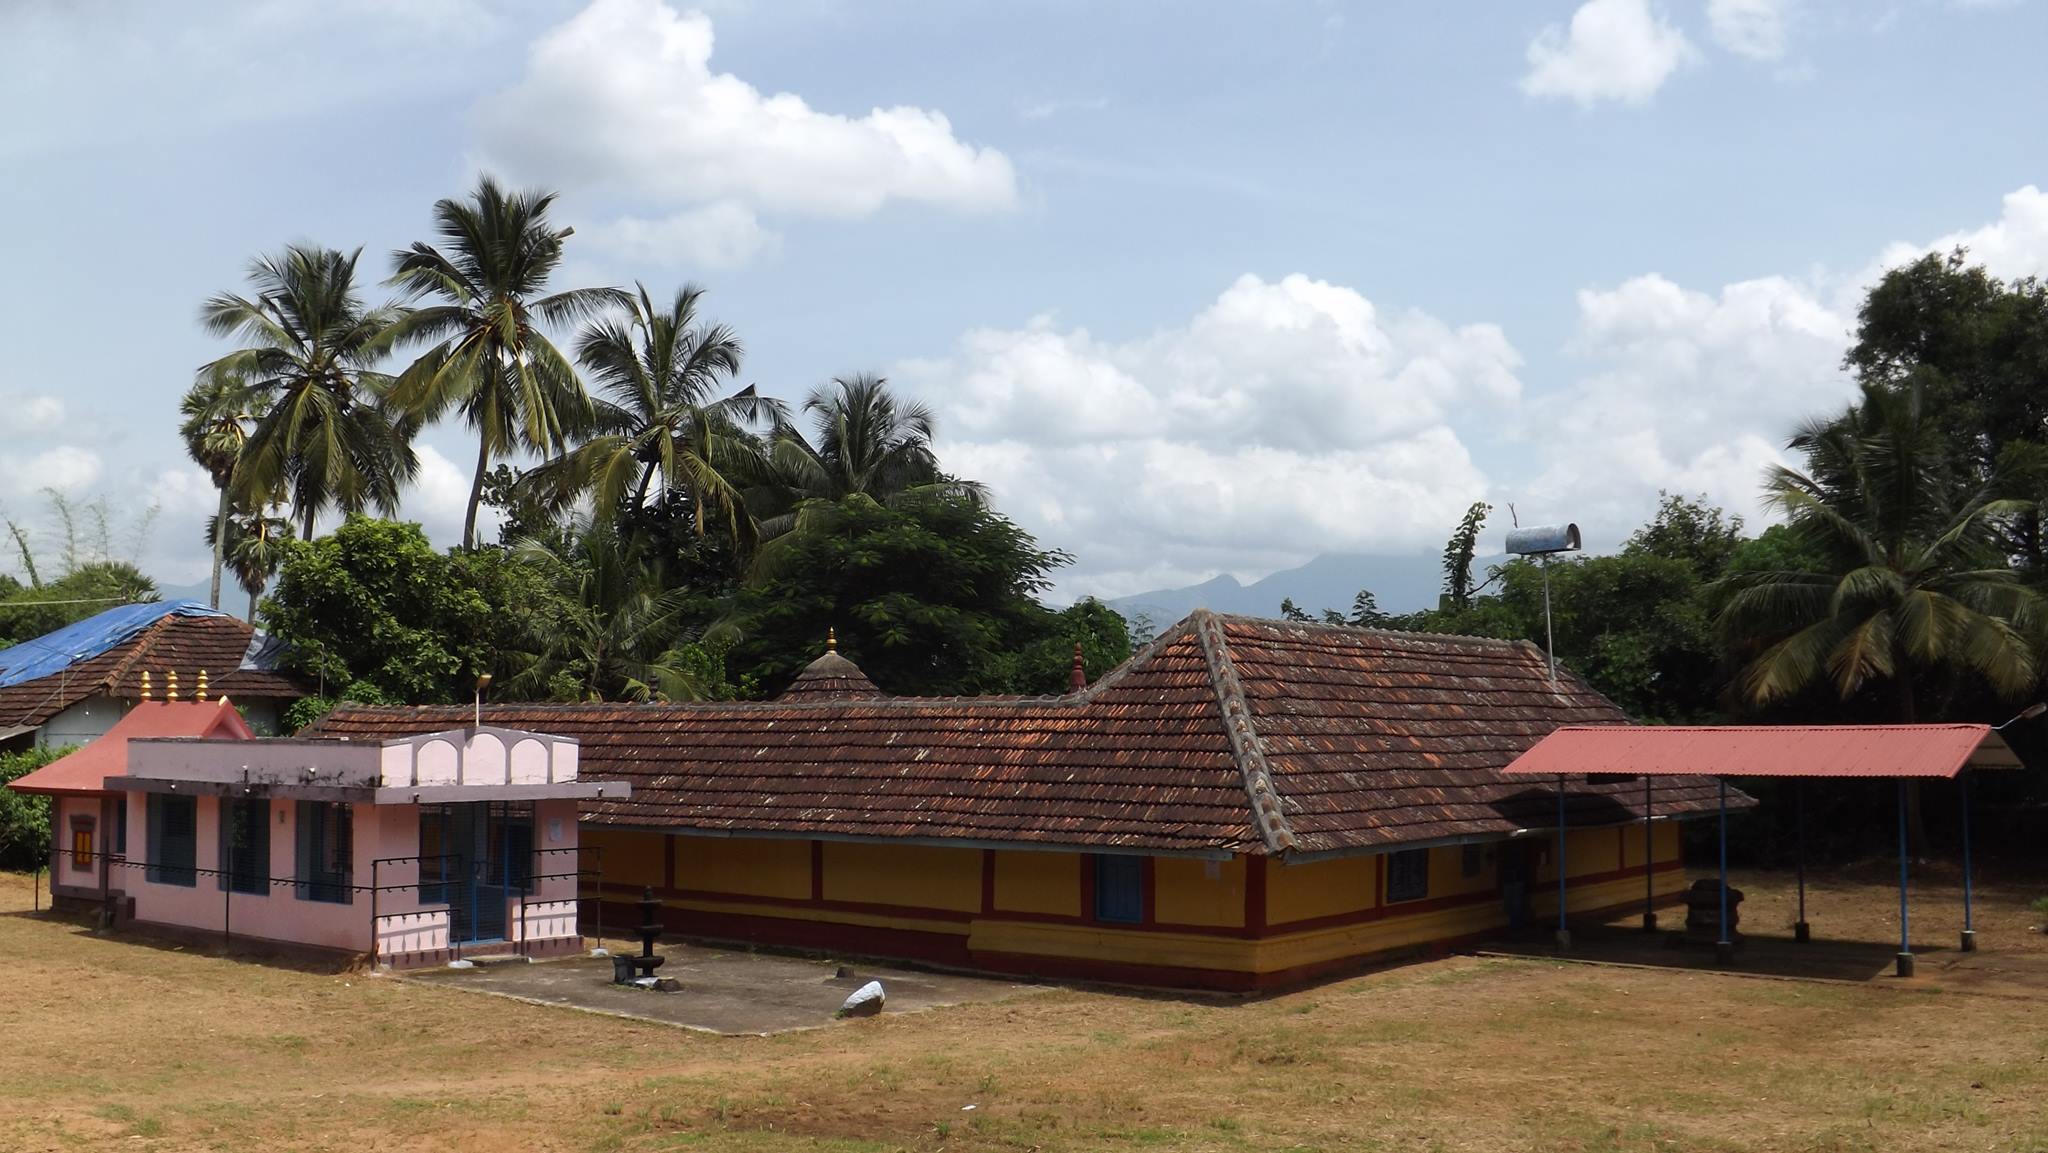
[(1246, 803), (70, 686), (416, 850)]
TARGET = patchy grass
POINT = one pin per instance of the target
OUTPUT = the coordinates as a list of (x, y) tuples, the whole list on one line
[(117, 1043)]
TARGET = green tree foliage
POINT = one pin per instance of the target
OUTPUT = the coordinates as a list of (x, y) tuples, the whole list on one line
[(618, 634), (488, 356), (323, 436), (373, 608), (1458, 553), (24, 820), (931, 595)]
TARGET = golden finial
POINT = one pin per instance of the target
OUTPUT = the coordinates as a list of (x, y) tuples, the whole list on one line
[(145, 684), (831, 640), (171, 685), (200, 696)]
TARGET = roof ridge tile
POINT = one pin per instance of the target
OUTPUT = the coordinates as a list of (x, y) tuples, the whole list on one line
[(1244, 739)]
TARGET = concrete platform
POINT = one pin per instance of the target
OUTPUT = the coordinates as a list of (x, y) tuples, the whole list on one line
[(727, 991)]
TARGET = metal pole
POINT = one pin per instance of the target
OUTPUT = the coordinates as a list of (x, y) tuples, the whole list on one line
[(227, 888), (1564, 935), (1801, 931), (1549, 635), (1724, 948), (1905, 958), (1649, 864), (375, 867), (1969, 930)]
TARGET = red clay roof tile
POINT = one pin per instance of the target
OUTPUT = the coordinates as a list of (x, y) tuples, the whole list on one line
[(1226, 734)]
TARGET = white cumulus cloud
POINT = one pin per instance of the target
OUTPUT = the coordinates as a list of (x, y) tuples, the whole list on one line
[(1621, 50), (1752, 28), (622, 97), (1285, 418)]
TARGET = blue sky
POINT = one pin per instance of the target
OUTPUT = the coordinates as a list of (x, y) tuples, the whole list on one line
[(1195, 288)]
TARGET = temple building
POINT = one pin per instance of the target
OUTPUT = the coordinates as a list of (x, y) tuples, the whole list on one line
[(1244, 804)]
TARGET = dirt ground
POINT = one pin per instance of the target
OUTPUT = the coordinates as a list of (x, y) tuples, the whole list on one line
[(117, 1043)]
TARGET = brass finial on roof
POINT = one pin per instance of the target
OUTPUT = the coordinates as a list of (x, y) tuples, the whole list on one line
[(145, 685), (200, 695), (831, 640), (170, 684)]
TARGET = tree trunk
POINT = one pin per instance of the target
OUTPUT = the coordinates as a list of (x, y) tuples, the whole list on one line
[(220, 544), (1916, 820), (476, 490), (252, 605)]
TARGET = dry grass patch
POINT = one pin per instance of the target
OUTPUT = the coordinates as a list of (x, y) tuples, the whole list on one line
[(114, 1043)]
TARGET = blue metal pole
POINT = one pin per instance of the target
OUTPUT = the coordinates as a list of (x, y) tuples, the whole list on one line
[(1905, 958), (1724, 949), (1969, 930), (1564, 935)]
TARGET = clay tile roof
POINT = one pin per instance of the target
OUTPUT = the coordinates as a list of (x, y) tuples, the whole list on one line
[(830, 677), (1225, 734), (185, 644)]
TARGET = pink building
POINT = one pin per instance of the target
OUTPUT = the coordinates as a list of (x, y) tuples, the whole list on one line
[(417, 850)]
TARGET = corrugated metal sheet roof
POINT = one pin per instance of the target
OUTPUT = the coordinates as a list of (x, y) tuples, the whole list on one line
[(1767, 751)]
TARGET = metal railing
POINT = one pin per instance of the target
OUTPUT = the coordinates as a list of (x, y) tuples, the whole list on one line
[(517, 890)]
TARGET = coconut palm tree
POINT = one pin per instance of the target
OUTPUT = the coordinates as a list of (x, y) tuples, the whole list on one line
[(217, 411), (488, 356), (615, 637), (1913, 584), (254, 544), (661, 433), (323, 435), (864, 442)]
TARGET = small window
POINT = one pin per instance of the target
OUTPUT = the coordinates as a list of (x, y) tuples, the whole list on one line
[(326, 852), (1120, 889), (1472, 861), (173, 839), (81, 845), (245, 846), (120, 844), (1407, 875)]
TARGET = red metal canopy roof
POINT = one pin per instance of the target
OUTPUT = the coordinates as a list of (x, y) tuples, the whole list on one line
[(1767, 751)]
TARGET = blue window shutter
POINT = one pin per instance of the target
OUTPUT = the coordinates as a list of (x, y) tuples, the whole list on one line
[(1119, 889)]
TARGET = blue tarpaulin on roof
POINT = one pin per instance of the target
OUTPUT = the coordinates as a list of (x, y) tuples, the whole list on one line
[(53, 652)]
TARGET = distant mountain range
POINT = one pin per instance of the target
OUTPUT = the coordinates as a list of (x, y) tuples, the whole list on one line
[(1401, 584)]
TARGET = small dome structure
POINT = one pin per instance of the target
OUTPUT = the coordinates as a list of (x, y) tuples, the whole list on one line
[(831, 677)]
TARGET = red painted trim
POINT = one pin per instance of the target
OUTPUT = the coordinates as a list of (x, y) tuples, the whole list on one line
[(988, 880), (1255, 894), (917, 911), (1436, 904), (817, 870)]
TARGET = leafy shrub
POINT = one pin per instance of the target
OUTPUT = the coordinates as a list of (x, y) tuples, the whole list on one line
[(24, 821)]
